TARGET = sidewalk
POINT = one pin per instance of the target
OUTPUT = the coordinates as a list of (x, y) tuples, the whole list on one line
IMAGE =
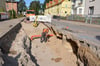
[(78, 23), (7, 25)]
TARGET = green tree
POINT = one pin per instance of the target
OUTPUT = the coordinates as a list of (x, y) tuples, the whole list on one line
[(12, 15), (44, 4), (1, 9), (22, 6), (35, 5)]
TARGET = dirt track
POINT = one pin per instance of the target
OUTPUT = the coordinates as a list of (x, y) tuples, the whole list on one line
[(52, 53)]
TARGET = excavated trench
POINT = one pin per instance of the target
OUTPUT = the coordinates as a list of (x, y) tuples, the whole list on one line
[(16, 49), (82, 50)]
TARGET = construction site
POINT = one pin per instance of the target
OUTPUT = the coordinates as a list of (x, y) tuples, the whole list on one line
[(19, 47), (49, 33)]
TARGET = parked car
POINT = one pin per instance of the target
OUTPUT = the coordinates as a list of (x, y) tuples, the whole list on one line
[(4, 15)]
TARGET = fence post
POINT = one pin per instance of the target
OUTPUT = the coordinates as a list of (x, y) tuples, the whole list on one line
[(86, 19), (90, 19)]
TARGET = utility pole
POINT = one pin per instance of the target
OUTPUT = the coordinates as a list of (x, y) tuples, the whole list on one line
[(12, 7)]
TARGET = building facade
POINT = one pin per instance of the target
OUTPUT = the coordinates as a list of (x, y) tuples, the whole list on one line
[(11, 5), (58, 7), (78, 7), (2, 6), (92, 7)]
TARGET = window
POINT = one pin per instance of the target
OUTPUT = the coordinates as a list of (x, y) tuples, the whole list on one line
[(91, 10), (7, 6), (66, 6), (65, 11), (91, 0), (80, 11), (81, 1)]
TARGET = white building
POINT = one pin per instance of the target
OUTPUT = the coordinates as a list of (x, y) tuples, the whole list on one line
[(78, 7), (92, 7)]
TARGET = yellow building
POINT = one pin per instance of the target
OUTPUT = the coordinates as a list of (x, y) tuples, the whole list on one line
[(58, 7)]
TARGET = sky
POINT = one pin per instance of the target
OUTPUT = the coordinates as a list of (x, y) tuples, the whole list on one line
[(29, 1)]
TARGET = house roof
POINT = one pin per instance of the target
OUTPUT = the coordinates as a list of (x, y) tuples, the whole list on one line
[(11, 1)]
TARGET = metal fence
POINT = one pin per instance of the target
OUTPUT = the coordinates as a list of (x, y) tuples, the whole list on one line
[(91, 19)]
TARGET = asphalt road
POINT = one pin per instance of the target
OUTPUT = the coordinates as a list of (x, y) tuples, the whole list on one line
[(90, 33), (87, 32), (7, 25)]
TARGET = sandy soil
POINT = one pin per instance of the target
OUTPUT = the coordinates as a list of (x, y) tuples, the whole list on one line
[(52, 53)]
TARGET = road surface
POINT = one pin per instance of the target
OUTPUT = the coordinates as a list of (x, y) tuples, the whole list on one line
[(7, 25), (87, 32)]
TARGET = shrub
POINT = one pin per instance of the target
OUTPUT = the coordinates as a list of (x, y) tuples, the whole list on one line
[(12, 13)]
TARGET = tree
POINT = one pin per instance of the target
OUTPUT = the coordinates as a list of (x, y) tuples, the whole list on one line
[(12, 15), (22, 6), (35, 5), (44, 5)]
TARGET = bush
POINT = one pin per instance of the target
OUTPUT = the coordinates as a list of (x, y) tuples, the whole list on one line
[(20, 15), (64, 18), (12, 13)]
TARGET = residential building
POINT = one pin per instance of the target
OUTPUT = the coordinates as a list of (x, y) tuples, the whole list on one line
[(78, 7), (2, 6), (92, 7), (11, 5), (58, 7)]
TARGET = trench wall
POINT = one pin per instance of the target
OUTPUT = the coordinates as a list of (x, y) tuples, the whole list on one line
[(7, 39), (15, 48), (87, 54)]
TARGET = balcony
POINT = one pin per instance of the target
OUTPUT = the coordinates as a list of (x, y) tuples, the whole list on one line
[(77, 3)]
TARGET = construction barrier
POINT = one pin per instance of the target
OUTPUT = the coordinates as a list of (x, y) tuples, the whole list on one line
[(41, 18)]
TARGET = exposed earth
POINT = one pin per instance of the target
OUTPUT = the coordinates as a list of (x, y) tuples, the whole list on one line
[(52, 53)]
